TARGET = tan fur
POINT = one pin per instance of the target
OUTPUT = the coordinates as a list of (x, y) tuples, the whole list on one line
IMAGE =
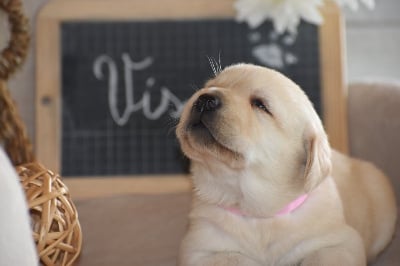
[(258, 163)]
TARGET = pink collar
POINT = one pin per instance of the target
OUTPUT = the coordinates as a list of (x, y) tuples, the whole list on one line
[(292, 206)]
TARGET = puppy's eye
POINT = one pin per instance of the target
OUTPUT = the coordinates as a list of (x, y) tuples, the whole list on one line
[(257, 103)]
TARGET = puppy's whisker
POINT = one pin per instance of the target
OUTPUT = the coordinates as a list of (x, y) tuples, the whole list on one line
[(171, 125), (212, 64), (219, 62), (217, 66)]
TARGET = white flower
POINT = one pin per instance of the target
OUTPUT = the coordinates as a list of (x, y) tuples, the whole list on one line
[(286, 14)]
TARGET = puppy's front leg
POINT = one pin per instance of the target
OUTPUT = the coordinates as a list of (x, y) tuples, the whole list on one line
[(218, 259), (333, 257), (350, 252)]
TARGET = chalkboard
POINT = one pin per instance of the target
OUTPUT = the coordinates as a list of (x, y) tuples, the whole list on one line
[(123, 82)]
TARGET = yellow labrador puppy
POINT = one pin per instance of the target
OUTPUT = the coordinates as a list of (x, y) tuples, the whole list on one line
[(268, 189)]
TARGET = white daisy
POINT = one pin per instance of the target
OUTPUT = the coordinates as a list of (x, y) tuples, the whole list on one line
[(286, 14)]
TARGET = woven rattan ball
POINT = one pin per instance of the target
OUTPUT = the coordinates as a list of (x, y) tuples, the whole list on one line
[(54, 218)]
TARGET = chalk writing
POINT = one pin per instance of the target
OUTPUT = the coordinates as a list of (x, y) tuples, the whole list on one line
[(270, 52), (131, 105)]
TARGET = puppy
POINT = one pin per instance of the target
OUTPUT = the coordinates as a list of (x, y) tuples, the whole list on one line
[(268, 189)]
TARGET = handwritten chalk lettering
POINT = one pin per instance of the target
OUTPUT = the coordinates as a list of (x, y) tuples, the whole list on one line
[(144, 104)]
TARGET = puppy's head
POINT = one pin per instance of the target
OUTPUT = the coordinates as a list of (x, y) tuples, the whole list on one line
[(252, 130)]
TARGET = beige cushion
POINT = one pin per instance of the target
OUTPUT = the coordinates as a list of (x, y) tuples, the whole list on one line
[(133, 230), (374, 135), (374, 126)]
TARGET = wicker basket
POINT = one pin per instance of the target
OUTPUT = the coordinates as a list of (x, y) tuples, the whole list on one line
[(54, 218)]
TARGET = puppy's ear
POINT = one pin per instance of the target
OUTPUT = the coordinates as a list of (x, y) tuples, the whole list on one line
[(318, 151)]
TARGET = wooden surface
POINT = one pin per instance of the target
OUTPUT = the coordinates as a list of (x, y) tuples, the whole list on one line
[(48, 102), (332, 61), (133, 230), (60, 10), (88, 188)]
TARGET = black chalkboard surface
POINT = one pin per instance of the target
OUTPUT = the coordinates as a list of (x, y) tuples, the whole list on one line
[(123, 85)]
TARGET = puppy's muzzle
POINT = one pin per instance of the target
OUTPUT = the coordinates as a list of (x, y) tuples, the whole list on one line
[(204, 109), (203, 116), (207, 103), (208, 131)]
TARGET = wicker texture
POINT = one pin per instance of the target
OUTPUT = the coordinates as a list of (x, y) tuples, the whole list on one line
[(12, 131), (15, 53), (54, 218)]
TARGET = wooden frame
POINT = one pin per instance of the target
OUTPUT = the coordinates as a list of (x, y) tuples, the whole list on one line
[(48, 102)]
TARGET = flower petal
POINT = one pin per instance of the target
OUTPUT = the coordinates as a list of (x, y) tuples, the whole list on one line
[(311, 14)]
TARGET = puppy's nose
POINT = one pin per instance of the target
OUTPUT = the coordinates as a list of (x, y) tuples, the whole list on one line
[(207, 103)]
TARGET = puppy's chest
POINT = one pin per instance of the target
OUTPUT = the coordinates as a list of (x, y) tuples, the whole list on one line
[(270, 241)]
